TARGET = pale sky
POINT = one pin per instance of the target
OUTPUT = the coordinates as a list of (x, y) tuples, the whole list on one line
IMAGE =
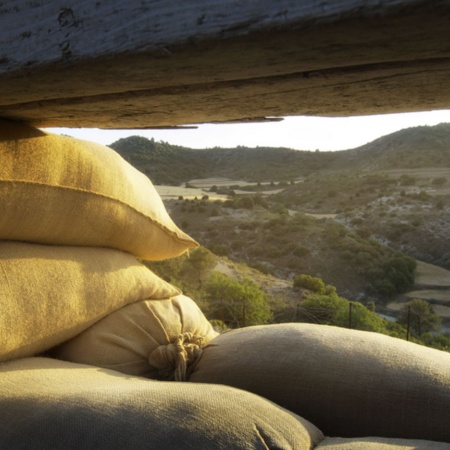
[(300, 133)]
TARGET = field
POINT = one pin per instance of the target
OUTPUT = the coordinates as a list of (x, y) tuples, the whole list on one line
[(174, 192), (202, 187), (433, 285)]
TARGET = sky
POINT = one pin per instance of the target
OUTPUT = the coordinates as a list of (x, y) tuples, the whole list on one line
[(299, 133)]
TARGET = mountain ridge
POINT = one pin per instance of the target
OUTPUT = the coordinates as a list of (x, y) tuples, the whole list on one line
[(164, 163)]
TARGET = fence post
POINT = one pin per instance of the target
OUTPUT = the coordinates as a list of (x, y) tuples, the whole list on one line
[(350, 309), (408, 322)]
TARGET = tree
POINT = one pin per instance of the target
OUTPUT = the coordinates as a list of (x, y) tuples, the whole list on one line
[(310, 283), (237, 303), (420, 316), (393, 275), (321, 308), (200, 262), (334, 310), (361, 318)]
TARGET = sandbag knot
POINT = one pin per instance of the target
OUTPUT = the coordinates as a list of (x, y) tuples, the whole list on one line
[(176, 359)]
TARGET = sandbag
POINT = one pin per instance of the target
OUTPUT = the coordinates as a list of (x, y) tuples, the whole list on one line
[(160, 339), (373, 443), (59, 190), (52, 405), (49, 294), (349, 383)]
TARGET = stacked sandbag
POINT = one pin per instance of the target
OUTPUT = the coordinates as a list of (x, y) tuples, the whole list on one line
[(51, 293), (49, 404), (348, 383), (75, 216), (63, 191), (160, 339)]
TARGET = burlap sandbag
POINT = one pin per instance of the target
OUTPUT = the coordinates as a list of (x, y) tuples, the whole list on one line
[(372, 443), (49, 294), (349, 383), (64, 191), (159, 339), (49, 404)]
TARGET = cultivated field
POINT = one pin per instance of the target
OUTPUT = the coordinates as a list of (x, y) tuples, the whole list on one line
[(202, 187), (174, 192), (429, 277)]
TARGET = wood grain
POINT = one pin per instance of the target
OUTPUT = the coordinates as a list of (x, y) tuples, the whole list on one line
[(134, 64)]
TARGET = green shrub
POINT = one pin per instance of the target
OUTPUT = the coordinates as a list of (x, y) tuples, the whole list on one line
[(310, 283)]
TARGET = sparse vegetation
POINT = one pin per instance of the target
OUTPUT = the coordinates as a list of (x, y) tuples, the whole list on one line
[(357, 219)]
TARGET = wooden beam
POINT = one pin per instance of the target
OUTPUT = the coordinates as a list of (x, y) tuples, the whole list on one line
[(133, 64)]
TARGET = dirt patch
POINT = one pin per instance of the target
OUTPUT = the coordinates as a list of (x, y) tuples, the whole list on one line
[(174, 192), (438, 295), (207, 183), (443, 311), (431, 275), (428, 275)]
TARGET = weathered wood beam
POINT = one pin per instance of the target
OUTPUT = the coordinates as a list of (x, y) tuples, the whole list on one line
[(133, 64)]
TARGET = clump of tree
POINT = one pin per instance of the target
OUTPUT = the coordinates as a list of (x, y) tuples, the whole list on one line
[(236, 303), (310, 283), (331, 309), (245, 202), (393, 275), (323, 305), (418, 317)]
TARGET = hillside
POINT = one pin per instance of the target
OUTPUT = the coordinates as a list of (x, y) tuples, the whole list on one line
[(417, 147), (395, 189), (367, 206), (287, 245), (411, 148), (168, 164)]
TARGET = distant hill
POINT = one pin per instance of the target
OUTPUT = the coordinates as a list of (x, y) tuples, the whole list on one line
[(411, 148), (170, 164)]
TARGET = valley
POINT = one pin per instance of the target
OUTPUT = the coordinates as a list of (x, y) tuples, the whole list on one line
[(358, 219)]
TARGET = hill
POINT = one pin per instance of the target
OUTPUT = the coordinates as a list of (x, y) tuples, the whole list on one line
[(411, 148), (375, 204), (173, 165)]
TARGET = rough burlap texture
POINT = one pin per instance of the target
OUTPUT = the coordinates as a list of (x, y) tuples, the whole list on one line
[(373, 443), (49, 404), (64, 191), (49, 294), (158, 339), (349, 383)]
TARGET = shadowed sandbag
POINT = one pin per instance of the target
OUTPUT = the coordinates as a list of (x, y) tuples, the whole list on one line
[(49, 294), (373, 443), (159, 339), (59, 190), (349, 383), (49, 404)]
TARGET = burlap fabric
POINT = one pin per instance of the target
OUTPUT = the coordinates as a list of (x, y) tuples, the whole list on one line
[(349, 383), (55, 190), (49, 294), (158, 339), (372, 443), (51, 405)]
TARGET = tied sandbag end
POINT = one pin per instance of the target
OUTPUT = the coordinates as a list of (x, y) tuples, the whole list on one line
[(175, 360)]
